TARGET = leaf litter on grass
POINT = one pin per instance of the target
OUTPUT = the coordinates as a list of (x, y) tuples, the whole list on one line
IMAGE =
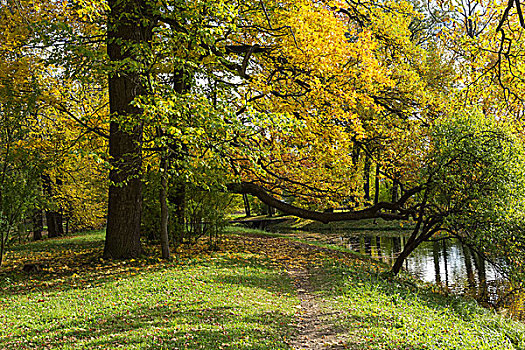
[(239, 297)]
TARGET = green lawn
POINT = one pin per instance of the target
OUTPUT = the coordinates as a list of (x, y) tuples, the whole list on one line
[(217, 301), (383, 312), (237, 298)]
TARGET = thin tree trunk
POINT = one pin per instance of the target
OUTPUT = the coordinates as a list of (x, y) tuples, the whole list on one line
[(376, 193), (164, 239), (395, 186), (59, 223), (366, 178), (178, 199), (3, 239), (38, 225), (247, 210)]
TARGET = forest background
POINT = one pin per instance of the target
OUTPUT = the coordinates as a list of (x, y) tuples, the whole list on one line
[(143, 115)]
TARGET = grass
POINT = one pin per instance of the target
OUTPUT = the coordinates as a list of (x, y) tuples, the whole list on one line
[(366, 226), (309, 239), (236, 298), (224, 300), (383, 312)]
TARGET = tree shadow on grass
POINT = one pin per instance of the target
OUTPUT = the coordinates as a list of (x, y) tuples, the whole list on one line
[(164, 327), (333, 282), (79, 241)]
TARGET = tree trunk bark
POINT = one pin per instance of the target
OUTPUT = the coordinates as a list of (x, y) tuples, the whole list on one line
[(164, 239), (366, 178), (407, 250), (128, 26), (247, 210), (178, 199), (412, 243), (38, 225), (395, 186), (53, 218), (52, 224)]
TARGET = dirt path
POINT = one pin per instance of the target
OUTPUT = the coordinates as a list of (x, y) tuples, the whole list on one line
[(314, 319), (315, 326)]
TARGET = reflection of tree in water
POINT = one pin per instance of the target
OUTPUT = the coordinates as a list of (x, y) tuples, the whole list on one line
[(368, 245), (435, 254), (445, 260), (438, 262), (378, 247), (482, 277), (396, 242), (468, 266)]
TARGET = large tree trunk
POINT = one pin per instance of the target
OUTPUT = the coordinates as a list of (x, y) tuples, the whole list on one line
[(53, 217), (55, 226), (127, 26)]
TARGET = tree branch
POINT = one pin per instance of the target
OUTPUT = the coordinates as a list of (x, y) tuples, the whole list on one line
[(375, 211)]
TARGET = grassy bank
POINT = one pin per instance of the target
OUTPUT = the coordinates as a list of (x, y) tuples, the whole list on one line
[(239, 297), (382, 312)]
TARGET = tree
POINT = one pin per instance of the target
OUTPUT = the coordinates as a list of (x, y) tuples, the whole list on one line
[(473, 184)]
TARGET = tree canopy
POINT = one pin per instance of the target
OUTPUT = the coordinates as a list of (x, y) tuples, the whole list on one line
[(329, 110)]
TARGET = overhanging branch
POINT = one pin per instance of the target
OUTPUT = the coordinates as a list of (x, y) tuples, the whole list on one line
[(376, 211)]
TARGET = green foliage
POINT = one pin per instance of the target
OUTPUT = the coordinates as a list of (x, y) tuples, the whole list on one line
[(476, 185), (476, 165), (150, 220), (206, 213)]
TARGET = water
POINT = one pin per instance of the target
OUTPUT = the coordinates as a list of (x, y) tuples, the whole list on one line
[(445, 262)]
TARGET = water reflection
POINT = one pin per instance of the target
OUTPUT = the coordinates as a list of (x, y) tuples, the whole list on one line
[(447, 262)]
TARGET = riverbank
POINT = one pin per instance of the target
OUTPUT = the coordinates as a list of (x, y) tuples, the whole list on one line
[(257, 291)]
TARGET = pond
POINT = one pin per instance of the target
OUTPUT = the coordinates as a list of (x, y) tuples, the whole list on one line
[(445, 262)]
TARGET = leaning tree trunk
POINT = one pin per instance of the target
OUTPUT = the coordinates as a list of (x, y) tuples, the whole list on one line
[(128, 25), (407, 250)]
